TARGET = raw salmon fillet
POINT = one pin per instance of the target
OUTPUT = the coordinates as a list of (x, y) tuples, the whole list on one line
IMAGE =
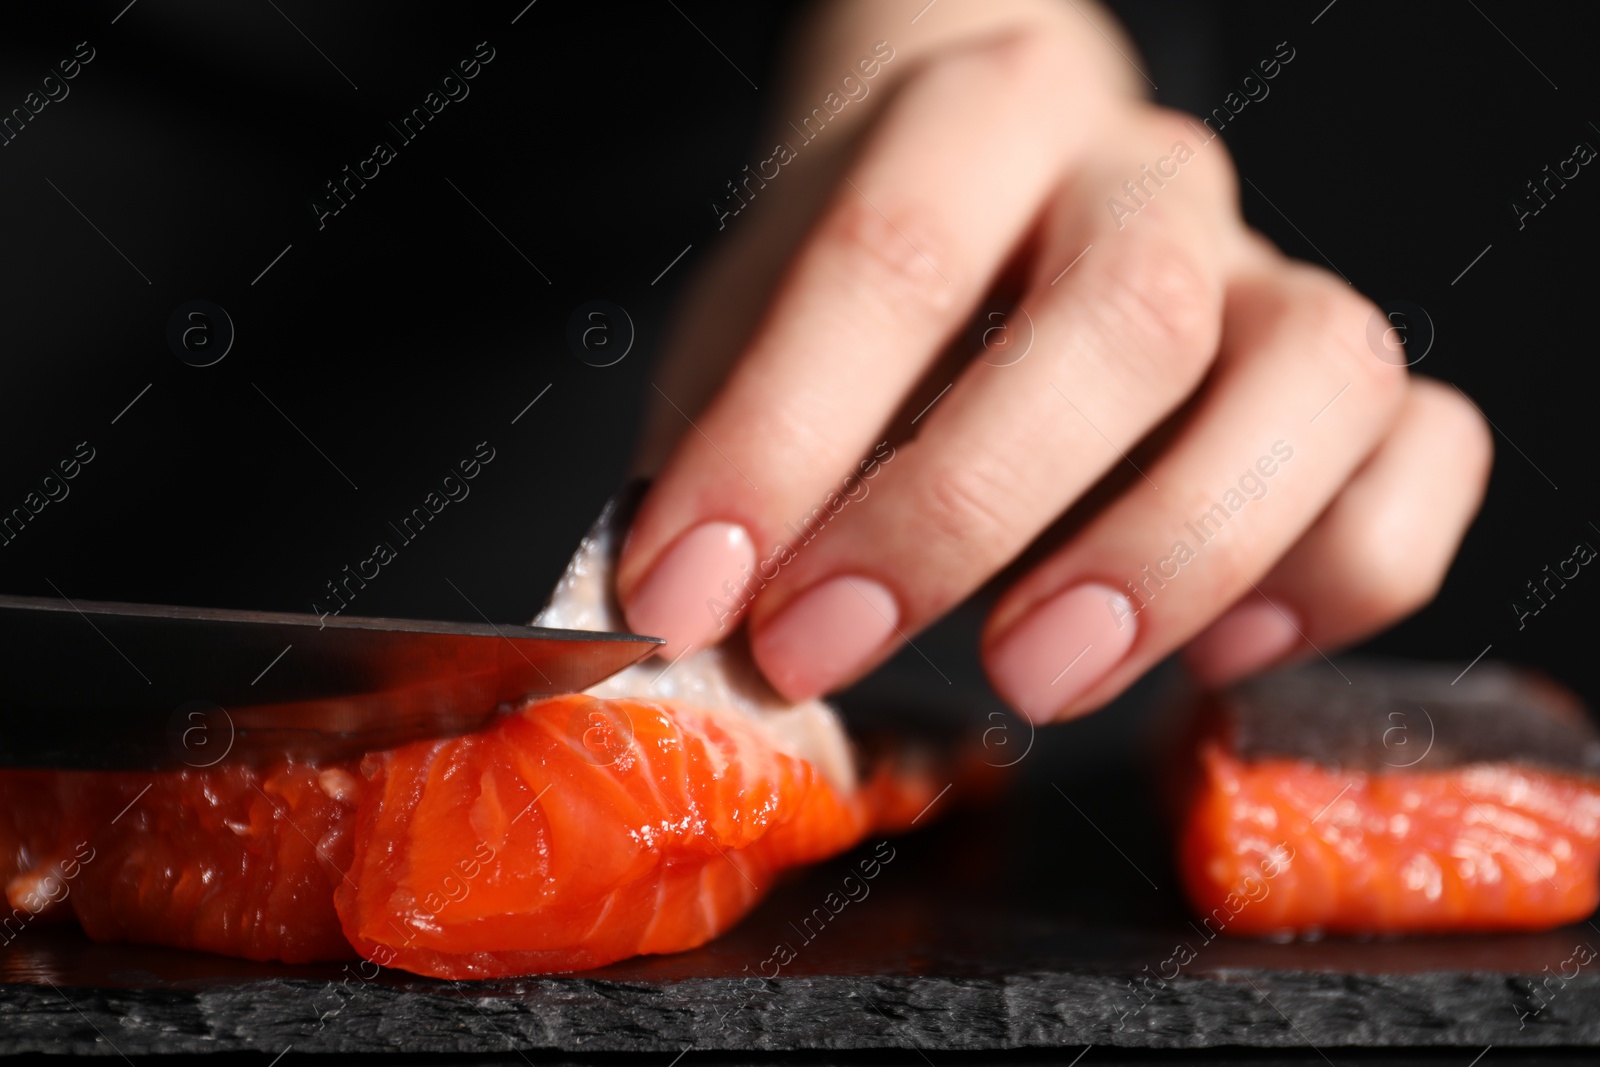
[(646, 816), (1393, 804), (232, 860), (515, 851)]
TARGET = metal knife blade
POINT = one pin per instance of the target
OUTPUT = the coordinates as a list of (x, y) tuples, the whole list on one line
[(107, 685)]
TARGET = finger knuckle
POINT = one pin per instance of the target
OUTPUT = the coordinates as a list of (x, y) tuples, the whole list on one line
[(963, 506), (1027, 58), (895, 257), (1327, 310), (1385, 382), (1154, 293), (1394, 570), (1210, 157), (1238, 555), (1337, 319), (1462, 431), (1019, 59), (1400, 562)]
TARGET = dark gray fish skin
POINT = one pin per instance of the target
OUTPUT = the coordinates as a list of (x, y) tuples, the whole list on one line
[(1393, 716)]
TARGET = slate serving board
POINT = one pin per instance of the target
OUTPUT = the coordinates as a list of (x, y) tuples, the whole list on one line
[(1020, 925)]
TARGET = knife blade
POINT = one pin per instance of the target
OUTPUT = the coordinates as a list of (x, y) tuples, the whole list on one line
[(107, 685)]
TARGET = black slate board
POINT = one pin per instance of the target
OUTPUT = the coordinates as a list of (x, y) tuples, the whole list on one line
[(1016, 926)]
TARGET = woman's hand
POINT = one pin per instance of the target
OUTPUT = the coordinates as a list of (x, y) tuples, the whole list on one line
[(1277, 486)]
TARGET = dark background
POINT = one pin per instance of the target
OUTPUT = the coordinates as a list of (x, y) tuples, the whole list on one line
[(409, 329)]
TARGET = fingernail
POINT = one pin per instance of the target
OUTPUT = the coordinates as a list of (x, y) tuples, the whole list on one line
[(825, 635), (1244, 640), (1061, 650), (683, 598)]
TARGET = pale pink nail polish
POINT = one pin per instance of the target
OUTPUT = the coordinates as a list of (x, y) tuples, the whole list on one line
[(1061, 650), (824, 636), (1249, 637), (684, 599)]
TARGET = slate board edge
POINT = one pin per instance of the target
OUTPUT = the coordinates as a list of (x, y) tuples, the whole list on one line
[(1251, 1008)]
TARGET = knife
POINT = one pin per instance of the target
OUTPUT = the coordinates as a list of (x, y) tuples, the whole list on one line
[(106, 685)]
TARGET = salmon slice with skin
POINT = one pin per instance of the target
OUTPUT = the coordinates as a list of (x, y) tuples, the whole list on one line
[(1392, 806), (646, 816), (1482, 848), (516, 851)]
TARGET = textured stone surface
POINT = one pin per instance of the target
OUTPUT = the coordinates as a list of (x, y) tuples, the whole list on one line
[(1015, 926), (162, 1003)]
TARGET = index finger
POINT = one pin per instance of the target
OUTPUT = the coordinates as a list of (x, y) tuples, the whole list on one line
[(942, 192)]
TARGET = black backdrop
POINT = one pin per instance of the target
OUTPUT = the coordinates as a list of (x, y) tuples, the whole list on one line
[(378, 351)]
